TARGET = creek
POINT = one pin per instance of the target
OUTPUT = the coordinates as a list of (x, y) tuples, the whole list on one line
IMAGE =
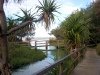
[(53, 55)]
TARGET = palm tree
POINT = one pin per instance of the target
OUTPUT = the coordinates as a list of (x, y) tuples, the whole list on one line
[(27, 16), (11, 23), (46, 12), (75, 30), (30, 28), (4, 63)]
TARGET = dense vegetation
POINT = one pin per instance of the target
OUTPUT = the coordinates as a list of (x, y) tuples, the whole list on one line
[(81, 27), (20, 55)]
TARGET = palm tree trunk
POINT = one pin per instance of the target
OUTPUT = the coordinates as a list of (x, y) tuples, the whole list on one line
[(4, 63)]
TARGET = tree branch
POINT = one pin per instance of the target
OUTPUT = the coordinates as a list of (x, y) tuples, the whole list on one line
[(18, 27), (22, 25)]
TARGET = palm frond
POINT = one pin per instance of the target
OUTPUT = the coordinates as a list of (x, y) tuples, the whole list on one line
[(46, 9), (18, 1), (27, 15)]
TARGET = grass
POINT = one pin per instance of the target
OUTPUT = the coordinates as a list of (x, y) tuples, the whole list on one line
[(20, 55)]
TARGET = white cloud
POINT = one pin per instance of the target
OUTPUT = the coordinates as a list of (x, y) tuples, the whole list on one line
[(92, 0), (68, 9), (66, 6), (41, 32), (14, 8)]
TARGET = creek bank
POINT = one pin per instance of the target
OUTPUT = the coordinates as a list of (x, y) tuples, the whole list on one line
[(20, 55)]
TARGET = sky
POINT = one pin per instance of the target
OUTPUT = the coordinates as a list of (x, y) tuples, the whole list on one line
[(66, 8)]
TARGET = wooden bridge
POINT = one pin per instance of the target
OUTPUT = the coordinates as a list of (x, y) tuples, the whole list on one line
[(45, 43), (90, 65)]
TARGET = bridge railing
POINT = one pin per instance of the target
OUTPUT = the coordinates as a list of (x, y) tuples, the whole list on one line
[(65, 65), (46, 43)]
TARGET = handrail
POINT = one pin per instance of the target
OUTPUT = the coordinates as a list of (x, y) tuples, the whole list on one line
[(47, 69)]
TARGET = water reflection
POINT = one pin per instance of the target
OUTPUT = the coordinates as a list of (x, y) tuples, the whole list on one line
[(52, 56)]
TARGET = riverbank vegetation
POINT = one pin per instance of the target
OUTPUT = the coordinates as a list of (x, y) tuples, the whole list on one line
[(20, 55), (82, 27)]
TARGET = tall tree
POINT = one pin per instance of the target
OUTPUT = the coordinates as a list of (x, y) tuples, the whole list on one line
[(46, 8), (92, 14), (95, 28), (4, 63), (74, 30)]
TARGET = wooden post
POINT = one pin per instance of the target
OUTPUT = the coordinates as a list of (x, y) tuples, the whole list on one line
[(36, 45), (72, 59), (79, 56), (84, 51), (46, 45), (61, 69), (29, 43), (58, 43)]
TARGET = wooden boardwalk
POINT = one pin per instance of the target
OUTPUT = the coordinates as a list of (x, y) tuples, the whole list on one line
[(90, 65)]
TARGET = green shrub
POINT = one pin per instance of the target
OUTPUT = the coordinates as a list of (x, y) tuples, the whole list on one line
[(53, 42), (98, 49)]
